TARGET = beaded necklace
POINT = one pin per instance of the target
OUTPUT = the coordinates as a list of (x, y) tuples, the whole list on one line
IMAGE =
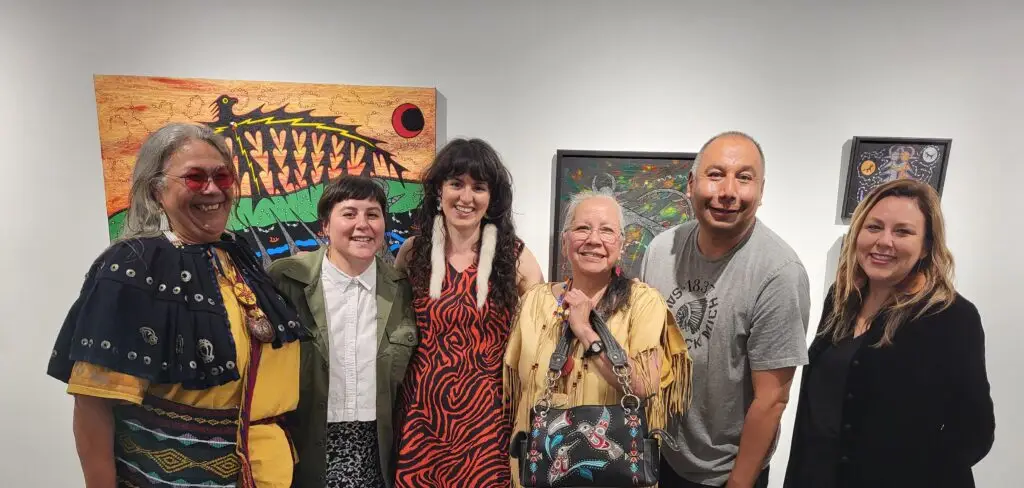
[(257, 322), (561, 314), (561, 310)]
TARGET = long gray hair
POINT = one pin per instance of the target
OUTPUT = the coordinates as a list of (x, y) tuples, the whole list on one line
[(146, 217)]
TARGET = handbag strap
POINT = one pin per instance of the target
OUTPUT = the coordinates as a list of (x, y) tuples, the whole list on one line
[(613, 350), (561, 353)]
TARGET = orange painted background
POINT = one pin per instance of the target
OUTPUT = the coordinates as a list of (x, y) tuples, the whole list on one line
[(129, 108)]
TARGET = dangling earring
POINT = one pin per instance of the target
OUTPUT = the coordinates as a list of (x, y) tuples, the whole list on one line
[(438, 205), (165, 225)]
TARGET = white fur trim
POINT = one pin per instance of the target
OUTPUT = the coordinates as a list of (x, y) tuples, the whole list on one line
[(488, 243), (438, 266)]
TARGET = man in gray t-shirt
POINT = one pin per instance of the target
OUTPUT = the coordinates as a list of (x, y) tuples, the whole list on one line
[(741, 297)]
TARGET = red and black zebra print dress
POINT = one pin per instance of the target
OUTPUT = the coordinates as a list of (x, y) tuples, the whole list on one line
[(454, 432)]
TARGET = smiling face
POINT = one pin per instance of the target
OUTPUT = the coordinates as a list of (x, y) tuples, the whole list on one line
[(891, 241), (726, 187), (197, 208), (464, 201), (593, 241), (356, 230)]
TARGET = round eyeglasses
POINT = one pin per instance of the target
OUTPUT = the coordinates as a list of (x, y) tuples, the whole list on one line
[(583, 233)]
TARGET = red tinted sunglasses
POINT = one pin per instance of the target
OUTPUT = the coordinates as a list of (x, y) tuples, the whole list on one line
[(197, 181)]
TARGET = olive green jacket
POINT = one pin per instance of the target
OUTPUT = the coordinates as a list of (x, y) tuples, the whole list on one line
[(298, 278)]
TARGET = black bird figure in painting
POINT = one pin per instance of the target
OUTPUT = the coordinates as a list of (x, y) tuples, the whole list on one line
[(298, 149), (278, 152)]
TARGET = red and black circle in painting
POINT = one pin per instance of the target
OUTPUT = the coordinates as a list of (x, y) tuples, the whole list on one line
[(407, 120)]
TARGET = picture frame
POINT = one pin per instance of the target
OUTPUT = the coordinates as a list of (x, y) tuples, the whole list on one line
[(650, 187), (877, 160)]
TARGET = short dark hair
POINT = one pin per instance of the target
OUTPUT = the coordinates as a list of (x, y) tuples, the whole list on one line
[(350, 187), (731, 133)]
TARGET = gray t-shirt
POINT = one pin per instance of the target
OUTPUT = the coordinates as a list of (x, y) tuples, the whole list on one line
[(747, 310)]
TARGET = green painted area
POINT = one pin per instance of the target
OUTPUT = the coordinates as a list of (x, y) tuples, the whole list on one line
[(404, 197), (670, 212), (115, 224), (298, 205)]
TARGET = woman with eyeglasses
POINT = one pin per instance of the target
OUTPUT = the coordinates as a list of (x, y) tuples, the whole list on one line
[(636, 316), (181, 354)]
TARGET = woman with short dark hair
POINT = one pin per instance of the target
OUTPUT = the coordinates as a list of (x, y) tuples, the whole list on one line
[(359, 310)]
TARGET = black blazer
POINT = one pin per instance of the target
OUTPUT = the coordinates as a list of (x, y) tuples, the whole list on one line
[(917, 413)]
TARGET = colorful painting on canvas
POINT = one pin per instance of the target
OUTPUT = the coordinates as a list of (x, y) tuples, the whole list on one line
[(878, 160), (651, 187), (287, 141)]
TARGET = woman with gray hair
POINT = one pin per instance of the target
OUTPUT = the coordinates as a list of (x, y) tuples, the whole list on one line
[(633, 319), (181, 354)]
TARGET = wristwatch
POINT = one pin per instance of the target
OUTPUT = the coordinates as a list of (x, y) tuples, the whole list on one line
[(595, 349)]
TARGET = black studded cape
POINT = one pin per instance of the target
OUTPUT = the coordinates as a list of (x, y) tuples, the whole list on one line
[(153, 310)]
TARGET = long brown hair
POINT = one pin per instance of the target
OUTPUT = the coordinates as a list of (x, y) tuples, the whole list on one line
[(934, 272)]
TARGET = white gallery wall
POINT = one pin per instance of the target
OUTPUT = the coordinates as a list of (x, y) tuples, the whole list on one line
[(532, 77)]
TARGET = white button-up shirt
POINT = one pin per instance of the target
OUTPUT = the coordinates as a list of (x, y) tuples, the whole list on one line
[(352, 322)]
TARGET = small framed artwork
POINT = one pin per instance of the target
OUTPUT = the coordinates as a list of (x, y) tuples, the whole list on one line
[(651, 187), (877, 160)]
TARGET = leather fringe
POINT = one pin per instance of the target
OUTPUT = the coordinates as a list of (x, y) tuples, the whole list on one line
[(673, 388)]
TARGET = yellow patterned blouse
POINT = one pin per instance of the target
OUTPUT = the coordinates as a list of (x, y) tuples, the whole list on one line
[(276, 392)]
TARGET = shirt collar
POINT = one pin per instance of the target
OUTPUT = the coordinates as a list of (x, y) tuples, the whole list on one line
[(367, 279)]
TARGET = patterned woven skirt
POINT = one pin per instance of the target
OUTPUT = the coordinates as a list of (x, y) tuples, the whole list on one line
[(353, 455), (162, 443)]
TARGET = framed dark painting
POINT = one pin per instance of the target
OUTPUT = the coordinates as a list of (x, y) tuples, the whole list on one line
[(877, 160), (651, 187)]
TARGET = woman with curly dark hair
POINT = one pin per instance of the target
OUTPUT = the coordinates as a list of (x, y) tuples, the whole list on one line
[(467, 269)]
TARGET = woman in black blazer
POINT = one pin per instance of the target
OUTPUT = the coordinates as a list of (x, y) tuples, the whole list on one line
[(896, 393)]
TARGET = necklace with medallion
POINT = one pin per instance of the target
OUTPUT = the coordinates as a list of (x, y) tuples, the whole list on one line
[(256, 321)]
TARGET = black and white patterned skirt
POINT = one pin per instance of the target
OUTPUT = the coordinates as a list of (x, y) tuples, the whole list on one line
[(353, 455)]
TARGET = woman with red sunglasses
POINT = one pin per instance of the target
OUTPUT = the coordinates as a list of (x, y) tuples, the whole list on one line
[(179, 342)]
